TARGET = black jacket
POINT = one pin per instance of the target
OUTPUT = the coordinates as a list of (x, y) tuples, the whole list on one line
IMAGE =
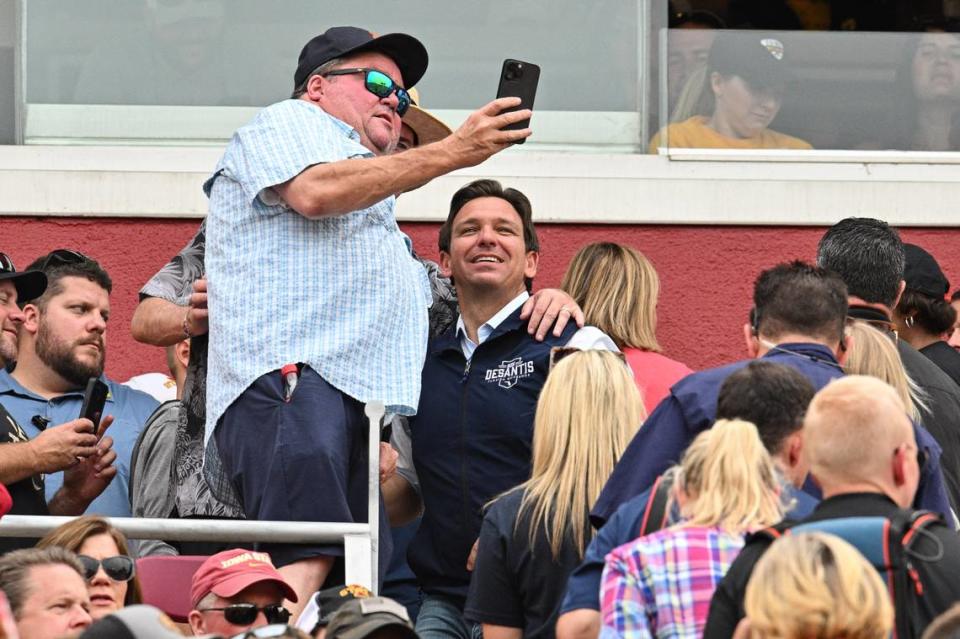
[(942, 417), (941, 588)]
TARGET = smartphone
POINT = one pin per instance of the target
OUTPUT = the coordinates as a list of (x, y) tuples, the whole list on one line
[(94, 398), (518, 79)]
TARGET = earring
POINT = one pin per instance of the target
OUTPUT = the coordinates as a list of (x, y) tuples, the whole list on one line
[(909, 321)]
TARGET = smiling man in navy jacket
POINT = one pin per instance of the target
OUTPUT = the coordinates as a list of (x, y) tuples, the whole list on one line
[(473, 428)]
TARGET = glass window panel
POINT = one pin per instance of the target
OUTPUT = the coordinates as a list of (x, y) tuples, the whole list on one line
[(242, 53), (831, 90)]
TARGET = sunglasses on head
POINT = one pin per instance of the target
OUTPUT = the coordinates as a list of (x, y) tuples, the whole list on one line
[(119, 568), (62, 256), (244, 614), (381, 85)]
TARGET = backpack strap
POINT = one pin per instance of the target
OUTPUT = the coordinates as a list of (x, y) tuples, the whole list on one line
[(655, 514)]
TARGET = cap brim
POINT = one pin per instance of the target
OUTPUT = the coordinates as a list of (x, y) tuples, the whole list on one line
[(29, 284), (406, 51), (427, 127), (367, 628), (233, 585)]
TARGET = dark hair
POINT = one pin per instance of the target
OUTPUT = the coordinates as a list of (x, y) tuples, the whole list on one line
[(955, 296), (901, 119), (55, 270), (491, 188), (868, 254), (934, 315), (799, 298), (772, 396)]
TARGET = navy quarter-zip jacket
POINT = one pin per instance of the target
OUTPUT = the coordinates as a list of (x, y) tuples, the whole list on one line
[(472, 441)]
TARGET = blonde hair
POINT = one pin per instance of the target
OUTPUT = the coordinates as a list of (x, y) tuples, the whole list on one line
[(696, 97), (817, 586), (588, 411), (873, 353), (729, 479), (617, 288)]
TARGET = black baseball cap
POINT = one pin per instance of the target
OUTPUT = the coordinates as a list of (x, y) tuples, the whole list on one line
[(29, 284), (923, 274), (337, 42), (759, 59)]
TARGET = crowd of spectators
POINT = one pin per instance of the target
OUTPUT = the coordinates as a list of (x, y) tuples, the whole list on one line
[(567, 478)]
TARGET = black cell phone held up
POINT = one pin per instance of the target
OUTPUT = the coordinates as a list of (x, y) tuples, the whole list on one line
[(518, 79), (94, 398)]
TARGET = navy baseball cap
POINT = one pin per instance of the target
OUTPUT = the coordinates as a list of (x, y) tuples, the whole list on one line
[(337, 42), (758, 59)]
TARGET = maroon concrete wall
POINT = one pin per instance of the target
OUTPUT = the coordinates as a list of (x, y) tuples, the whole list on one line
[(706, 271)]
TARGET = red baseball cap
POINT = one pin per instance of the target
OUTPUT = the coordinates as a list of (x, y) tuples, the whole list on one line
[(227, 573)]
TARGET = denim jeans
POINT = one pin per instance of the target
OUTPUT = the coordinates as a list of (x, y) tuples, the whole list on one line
[(440, 618)]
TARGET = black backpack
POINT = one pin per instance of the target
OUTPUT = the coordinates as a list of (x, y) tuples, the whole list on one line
[(885, 543)]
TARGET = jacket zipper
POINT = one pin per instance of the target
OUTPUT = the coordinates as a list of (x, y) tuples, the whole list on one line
[(464, 486)]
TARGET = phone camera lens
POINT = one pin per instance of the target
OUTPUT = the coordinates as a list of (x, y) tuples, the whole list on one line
[(514, 71)]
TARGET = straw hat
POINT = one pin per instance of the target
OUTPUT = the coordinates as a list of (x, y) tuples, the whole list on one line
[(427, 127)]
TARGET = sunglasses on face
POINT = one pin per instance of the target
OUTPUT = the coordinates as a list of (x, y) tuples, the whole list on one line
[(381, 85), (119, 568), (63, 256), (244, 614)]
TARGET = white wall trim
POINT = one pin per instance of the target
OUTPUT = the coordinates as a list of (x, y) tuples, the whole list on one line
[(704, 188)]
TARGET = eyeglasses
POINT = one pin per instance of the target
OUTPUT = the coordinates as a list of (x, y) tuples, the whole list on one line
[(119, 568), (63, 256), (244, 614), (381, 85)]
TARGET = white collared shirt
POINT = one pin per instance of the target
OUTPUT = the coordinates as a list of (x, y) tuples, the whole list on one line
[(587, 338)]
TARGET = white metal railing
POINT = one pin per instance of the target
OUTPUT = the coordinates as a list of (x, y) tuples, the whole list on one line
[(361, 541)]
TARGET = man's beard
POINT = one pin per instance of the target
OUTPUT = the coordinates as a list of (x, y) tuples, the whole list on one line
[(8, 350), (62, 360)]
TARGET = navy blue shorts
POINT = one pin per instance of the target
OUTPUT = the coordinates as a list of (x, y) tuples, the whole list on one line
[(305, 460)]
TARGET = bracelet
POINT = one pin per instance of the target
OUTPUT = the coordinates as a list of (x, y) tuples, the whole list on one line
[(186, 323)]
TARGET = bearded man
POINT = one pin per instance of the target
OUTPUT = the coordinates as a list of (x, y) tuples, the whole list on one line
[(61, 344)]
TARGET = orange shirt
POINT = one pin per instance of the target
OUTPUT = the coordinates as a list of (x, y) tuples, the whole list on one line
[(695, 133)]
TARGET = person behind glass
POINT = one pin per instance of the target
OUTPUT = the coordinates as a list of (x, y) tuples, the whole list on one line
[(815, 585), (660, 585), (46, 591), (733, 102), (533, 536), (923, 315), (688, 46), (109, 569), (926, 111), (617, 288)]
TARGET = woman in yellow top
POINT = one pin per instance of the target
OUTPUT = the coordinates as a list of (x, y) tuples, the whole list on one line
[(742, 90)]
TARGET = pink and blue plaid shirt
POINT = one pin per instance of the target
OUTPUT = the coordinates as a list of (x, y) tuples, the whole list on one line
[(660, 585)]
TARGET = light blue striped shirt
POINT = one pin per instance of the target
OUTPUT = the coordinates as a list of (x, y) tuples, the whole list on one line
[(342, 294)]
